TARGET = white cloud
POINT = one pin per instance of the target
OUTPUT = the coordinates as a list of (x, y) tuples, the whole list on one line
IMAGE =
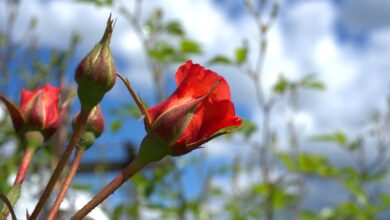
[(350, 72), (222, 148), (304, 23), (203, 22), (61, 19)]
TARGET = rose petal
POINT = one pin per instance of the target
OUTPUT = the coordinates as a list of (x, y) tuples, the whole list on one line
[(193, 81)]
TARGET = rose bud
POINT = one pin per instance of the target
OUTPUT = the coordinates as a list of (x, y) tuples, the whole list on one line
[(95, 74), (38, 111), (199, 110), (93, 128), (35, 122)]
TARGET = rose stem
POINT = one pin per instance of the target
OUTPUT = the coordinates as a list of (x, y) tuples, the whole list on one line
[(128, 172), (65, 185), (25, 163), (61, 164), (23, 168)]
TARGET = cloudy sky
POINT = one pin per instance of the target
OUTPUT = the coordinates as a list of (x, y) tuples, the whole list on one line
[(345, 43)]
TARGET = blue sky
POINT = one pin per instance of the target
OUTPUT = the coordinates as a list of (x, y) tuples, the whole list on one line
[(346, 43)]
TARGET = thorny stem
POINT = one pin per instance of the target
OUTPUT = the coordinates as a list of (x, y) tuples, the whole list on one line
[(25, 163), (65, 185), (122, 177), (61, 164)]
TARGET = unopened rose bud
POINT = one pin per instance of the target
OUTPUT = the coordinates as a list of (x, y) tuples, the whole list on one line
[(38, 111), (93, 128), (95, 74)]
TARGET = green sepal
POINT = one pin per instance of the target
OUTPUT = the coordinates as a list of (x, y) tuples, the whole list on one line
[(16, 115), (32, 139), (87, 139), (152, 149)]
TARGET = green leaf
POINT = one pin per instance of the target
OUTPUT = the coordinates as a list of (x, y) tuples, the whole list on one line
[(281, 85), (241, 54), (116, 214), (219, 59), (174, 28), (285, 158), (190, 46), (385, 199), (310, 163), (194, 206), (98, 2), (336, 137), (354, 145), (348, 173), (309, 82), (148, 190), (162, 52), (375, 176), (356, 190), (307, 215), (315, 85), (116, 126), (216, 192), (281, 198)]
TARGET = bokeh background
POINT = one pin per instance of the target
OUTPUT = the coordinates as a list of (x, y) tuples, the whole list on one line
[(310, 79)]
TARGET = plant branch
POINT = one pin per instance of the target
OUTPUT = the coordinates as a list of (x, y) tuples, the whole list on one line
[(110, 188), (61, 164), (65, 185)]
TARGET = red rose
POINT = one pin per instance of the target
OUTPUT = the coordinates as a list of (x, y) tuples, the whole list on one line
[(38, 110), (199, 110)]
